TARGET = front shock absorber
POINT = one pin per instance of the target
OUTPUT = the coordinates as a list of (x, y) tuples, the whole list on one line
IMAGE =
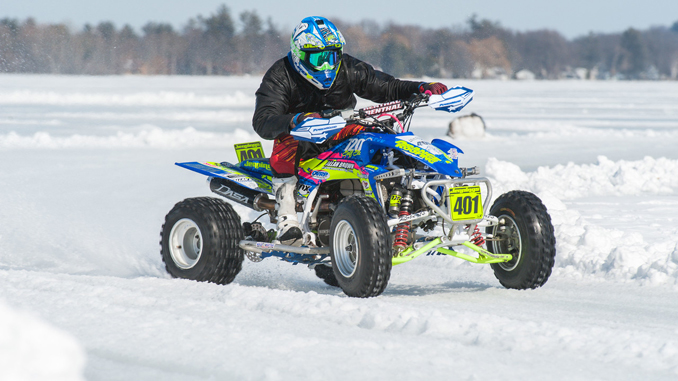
[(400, 241), (477, 237), (394, 202)]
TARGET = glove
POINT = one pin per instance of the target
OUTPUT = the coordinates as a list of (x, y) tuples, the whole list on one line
[(432, 87), (301, 116), (348, 131)]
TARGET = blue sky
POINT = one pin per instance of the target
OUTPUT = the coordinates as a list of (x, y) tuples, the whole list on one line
[(570, 17)]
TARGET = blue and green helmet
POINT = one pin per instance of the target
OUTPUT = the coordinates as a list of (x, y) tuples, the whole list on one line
[(316, 48)]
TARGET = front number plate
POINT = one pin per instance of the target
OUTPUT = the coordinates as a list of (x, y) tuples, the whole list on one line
[(466, 203)]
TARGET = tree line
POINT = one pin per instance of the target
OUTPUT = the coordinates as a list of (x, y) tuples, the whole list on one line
[(220, 45)]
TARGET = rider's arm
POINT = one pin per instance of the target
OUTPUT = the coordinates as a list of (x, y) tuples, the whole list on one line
[(271, 117), (376, 85)]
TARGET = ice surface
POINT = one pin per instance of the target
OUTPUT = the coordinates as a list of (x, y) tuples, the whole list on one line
[(87, 175)]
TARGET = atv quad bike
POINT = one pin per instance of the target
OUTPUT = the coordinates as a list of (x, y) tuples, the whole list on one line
[(380, 198)]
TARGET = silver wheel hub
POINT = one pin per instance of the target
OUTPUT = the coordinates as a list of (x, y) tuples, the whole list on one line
[(346, 249), (510, 243), (185, 243)]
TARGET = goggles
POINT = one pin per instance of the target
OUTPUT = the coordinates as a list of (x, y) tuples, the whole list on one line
[(322, 60)]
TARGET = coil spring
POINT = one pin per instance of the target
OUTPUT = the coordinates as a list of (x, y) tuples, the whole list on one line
[(477, 237), (402, 232)]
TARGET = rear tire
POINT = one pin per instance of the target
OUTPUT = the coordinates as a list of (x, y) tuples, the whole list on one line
[(200, 241), (526, 227), (360, 247)]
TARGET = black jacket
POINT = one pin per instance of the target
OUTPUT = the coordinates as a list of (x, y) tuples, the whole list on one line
[(284, 93)]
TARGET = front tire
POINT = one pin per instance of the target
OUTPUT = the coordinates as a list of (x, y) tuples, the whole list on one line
[(326, 273), (360, 247), (200, 241), (525, 231)]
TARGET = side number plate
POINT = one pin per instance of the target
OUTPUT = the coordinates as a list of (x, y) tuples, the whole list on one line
[(466, 203), (246, 151)]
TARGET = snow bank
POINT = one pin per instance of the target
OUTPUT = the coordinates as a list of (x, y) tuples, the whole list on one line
[(606, 178), (30, 349), (584, 248), (161, 98), (149, 137)]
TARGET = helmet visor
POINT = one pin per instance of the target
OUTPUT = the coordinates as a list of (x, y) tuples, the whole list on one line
[(323, 59)]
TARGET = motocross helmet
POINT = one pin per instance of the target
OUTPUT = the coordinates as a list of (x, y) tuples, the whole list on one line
[(316, 48)]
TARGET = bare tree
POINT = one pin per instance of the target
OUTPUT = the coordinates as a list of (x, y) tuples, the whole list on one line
[(216, 45)]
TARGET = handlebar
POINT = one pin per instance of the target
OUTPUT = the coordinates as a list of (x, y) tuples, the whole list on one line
[(398, 112), (368, 116)]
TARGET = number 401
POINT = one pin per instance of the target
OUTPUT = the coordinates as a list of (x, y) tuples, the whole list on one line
[(466, 205)]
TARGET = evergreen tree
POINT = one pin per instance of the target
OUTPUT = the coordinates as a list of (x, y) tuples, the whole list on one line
[(219, 32), (634, 53)]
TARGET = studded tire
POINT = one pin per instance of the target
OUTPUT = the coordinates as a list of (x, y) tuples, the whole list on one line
[(525, 231), (199, 241), (360, 247)]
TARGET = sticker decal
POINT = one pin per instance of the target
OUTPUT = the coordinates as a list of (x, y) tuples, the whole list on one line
[(246, 151), (262, 166), (355, 144), (466, 203), (415, 140), (320, 175), (304, 189), (230, 193), (417, 151), (340, 165), (453, 154)]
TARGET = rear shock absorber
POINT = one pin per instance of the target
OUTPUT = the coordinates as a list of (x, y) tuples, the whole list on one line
[(403, 230)]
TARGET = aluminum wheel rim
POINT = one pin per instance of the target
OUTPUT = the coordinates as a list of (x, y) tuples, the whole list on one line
[(513, 244), (345, 247), (185, 243)]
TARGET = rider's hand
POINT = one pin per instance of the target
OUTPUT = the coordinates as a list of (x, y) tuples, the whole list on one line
[(301, 116), (432, 87), (348, 131)]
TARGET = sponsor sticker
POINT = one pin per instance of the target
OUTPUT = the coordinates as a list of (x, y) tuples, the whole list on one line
[(417, 151), (245, 151), (257, 165), (304, 189), (229, 193), (339, 165), (353, 148), (453, 154), (320, 175)]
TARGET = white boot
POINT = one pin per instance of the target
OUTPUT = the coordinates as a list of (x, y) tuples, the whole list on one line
[(289, 232)]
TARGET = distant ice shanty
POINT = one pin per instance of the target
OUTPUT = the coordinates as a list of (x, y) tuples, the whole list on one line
[(469, 126)]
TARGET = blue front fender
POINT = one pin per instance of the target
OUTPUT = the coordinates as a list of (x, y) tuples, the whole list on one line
[(439, 155)]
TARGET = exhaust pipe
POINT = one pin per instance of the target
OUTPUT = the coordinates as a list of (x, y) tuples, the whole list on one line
[(233, 191)]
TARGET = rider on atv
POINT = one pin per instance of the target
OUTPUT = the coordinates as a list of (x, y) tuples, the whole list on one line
[(314, 76)]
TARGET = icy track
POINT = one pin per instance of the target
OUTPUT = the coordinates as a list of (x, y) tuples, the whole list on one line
[(87, 175)]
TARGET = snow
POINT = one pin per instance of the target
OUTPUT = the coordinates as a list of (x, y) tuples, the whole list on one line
[(87, 174), (31, 349)]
